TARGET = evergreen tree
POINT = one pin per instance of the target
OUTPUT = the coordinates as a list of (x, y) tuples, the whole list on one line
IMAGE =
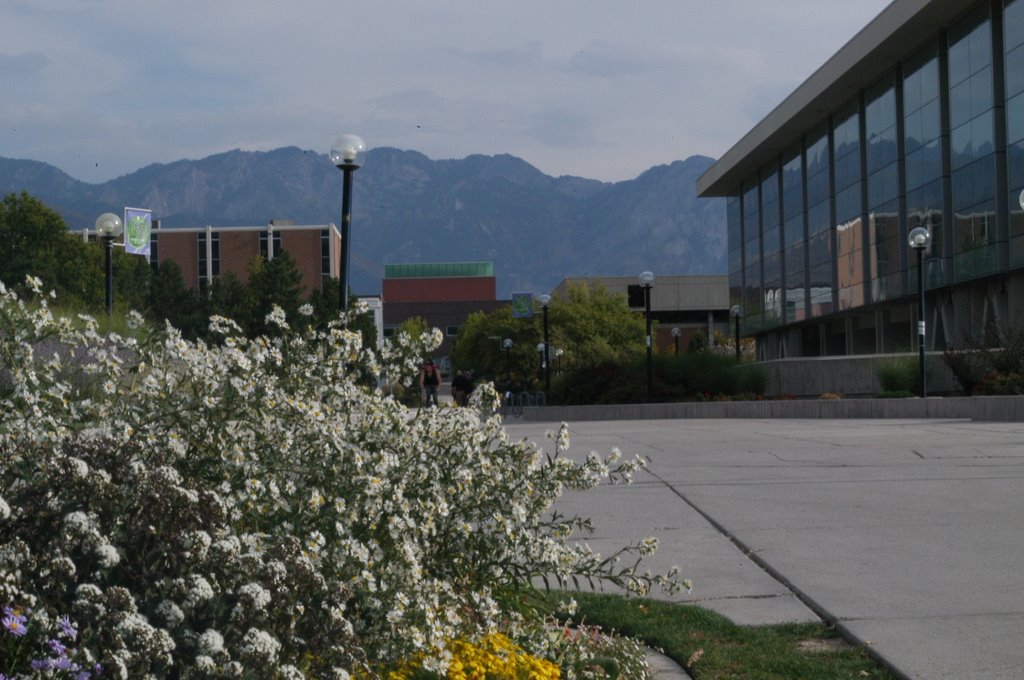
[(277, 282), (169, 299), (231, 298)]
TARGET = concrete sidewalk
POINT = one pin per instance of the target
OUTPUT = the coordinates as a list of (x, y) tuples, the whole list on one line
[(906, 533)]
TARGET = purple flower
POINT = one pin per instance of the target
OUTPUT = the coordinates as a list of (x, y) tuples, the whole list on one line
[(58, 647), (67, 628), (14, 622)]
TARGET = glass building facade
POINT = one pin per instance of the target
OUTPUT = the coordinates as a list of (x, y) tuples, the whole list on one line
[(923, 128)]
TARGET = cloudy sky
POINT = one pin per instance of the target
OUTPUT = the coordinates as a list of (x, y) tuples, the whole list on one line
[(593, 88)]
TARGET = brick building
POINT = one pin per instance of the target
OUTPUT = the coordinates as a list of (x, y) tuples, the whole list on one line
[(443, 294), (203, 253)]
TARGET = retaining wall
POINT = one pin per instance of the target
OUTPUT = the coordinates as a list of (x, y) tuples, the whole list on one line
[(1005, 409)]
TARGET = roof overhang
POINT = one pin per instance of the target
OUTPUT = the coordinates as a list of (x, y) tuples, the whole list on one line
[(900, 30)]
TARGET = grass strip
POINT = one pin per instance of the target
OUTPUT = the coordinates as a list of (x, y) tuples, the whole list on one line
[(711, 647)]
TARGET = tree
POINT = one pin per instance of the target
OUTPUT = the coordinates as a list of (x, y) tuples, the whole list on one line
[(132, 277), (35, 240), (169, 299), (592, 326), (231, 298), (274, 282), (595, 326)]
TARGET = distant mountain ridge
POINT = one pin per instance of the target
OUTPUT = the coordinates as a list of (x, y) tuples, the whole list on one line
[(537, 229)]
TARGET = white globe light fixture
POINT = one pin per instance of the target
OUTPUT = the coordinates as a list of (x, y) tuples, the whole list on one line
[(346, 149)]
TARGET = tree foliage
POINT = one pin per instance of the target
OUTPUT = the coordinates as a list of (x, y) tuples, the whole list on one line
[(592, 326), (34, 240)]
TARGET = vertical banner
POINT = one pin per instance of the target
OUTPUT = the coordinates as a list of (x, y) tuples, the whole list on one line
[(138, 223), (522, 305)]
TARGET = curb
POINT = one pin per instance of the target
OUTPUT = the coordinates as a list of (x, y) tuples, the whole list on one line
[(664, 668)]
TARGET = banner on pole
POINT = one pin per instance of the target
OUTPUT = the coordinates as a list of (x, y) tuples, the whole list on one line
[(138, 224), (522, 305)]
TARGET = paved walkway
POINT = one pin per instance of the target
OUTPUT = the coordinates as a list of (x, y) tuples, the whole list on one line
[(907, 533)]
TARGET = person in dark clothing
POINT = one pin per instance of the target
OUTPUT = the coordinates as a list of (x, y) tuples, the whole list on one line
[(462, 386), (430, 381)]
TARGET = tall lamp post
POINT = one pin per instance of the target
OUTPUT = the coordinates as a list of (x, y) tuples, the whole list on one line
[(676, 332), (541, 348), (109, 226), (545, 301), (736, 312), (647, 281), (506, 345), (344, 152), (919, 239)]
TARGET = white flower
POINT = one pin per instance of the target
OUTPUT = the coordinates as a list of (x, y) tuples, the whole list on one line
[(306, 310), (205, 664), (255, 596), (107, 555), (5, 510), (170, 613), (260, 645), (211, 643)]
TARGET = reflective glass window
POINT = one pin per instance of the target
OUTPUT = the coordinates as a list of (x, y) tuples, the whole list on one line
[(771, 226), (846, 150), (1015, 71), (796, 287), (792, 188), (972, 146), (819, 217), (732, 212), (1013, 24), (751, 224), (772, 290)]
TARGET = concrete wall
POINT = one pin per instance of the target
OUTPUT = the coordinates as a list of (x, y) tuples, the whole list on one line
[(1002, 409), (847, 375)]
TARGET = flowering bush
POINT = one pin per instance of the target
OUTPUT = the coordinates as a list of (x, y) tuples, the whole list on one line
[(495, 657), (250, 509)]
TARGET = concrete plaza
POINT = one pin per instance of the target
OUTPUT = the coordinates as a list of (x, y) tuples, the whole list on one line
[(905, 533)]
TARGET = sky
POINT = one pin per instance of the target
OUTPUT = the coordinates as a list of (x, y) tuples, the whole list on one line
[(593, 88)]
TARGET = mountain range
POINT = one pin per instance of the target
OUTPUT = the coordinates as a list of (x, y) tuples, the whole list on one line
[(408, 208)]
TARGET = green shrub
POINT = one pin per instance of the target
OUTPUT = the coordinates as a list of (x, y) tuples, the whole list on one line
[(993, 366), (687, 377), (752, 379), (898, 374)]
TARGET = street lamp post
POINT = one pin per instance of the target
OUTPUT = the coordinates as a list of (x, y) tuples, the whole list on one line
[(647, 281), (109, 226), (736, 312), (344, 152), (676, 332), (545, 301), (506, 345), (919, 239), (541, 348)]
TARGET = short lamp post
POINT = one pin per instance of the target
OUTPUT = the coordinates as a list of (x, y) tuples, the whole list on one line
[(109, 226), (736, 312), (919, 239), (506, 345), (676, 332), (647, 282), (344, 152), (545, 301)]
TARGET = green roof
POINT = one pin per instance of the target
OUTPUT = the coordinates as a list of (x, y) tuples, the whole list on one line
[(434, 270)]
